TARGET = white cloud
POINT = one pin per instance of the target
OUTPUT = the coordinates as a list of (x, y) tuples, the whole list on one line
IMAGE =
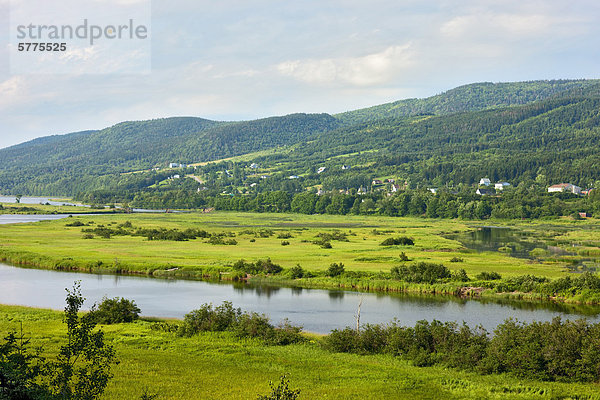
[(372, 69), (508, 25)]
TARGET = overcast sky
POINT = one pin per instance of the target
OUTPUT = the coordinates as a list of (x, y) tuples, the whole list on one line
[(245, 59)]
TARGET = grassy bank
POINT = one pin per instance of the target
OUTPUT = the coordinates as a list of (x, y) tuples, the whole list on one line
[(22, 208), (132, 244), (218, 365)]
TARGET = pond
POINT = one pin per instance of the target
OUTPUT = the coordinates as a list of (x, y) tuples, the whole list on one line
[(316, 310), (523, 244), (515, 242)]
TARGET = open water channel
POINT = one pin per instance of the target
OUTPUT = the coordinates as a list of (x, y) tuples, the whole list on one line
[(316, 310)]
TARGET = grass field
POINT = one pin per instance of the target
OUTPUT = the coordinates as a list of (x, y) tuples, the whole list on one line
[(48, 242), (220, 366)]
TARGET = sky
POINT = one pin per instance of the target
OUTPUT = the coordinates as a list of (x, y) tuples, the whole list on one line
[(247, 59)]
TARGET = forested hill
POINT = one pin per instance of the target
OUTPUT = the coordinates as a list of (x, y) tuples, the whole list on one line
[(473, 97), (549, 129), (66, 164)]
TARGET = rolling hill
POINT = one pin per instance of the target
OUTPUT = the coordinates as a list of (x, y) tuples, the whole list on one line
[(513, 131)]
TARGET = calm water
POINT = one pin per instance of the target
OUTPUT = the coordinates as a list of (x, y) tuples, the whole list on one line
[(20, 218), (37, 200), (316, 310)]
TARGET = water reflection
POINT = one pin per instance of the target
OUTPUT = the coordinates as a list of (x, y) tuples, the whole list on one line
[(316, 310)]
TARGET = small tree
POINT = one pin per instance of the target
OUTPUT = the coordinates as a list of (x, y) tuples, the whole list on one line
[(282, 391), (82, 368), (20, 370)]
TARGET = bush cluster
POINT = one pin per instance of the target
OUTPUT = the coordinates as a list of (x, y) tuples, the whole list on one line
[(421, 272), (335, 269), (398, 241), (557, 350), (243, 324), (116, 311), (259, 267), (488, 276)]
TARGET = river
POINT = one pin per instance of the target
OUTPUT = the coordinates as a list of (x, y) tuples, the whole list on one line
[(316, 310)]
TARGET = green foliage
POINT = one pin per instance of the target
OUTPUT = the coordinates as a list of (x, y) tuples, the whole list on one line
[(282, 391), (115, 311), (488, 276), (460, 276), (81, 370), (259, 267), (243, 324), (20, 370), (335, 269), (398, 241), (557, 350), (421, 272), (296, 272)]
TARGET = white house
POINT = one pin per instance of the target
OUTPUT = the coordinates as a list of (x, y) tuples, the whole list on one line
[(254, 165), (433, 190), (293, 177), (345, 167), (501, 185), (321, 169), (484, 192), (564, 187), (485, 182)]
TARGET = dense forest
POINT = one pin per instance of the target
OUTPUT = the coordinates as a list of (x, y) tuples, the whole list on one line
[(375, 160)]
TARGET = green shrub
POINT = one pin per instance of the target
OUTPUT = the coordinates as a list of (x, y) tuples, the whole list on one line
[(296, 272), (488, 276), (259, 267), (115, 311), (207, 318), (421, 272), (335, 270), (398, 241), (281, 392), (460, 276), (285, 243)]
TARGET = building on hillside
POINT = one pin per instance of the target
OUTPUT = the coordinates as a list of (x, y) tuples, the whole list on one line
[(395, 188), (484, 192), (361, 190), (254, 165), (585, 215), (176, 165), (321, 169), (485, 182), (564, 187), (501, 185), (293, 177), (433, 190), (320, 192), (345, 167), (377, 182)]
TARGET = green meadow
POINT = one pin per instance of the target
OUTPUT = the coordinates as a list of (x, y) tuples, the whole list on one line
[(221, 366), (54, 244)]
